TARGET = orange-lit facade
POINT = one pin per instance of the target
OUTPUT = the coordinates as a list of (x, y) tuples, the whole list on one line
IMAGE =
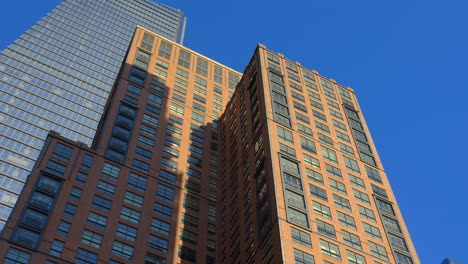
[(300, 178), (285, 171)]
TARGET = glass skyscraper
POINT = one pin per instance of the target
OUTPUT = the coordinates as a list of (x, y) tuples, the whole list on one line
[(58, 75)]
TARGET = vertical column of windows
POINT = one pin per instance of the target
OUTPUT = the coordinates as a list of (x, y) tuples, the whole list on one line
[(34, 217)]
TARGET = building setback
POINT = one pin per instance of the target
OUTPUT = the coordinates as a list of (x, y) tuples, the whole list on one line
[(184, 169), (58, 75)]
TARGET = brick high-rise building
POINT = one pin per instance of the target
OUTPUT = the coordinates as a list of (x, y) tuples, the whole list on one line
[(184, 169), (146, 189), (58, 75), (300, 178)]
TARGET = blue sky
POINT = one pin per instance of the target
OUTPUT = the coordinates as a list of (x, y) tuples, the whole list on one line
[(406, 60)]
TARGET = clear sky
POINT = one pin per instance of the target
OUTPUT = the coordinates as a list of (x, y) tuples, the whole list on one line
[(406, 60)]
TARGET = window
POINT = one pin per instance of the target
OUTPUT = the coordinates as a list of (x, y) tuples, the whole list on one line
[(351, 239), (70, 210), (140, 166), (300, 107), (379, 191), (160, 227), (56, 168), (326, 229), (145, 141), (313, 162), (345, 148), (162, 64), (284, 134), (366, 213), (351, 164), (308, 145), (187, 254), (162, 210), (391, 224), (339, 125), (372, 231), (385, 207), (141, 59), (192, 203), (373, 175), (287, 150), (325, 139), (398, 242), (313, 175), (126, 232), (308, 75), (165, 193), (48, 185), (357, 181), (346, 220), (302, 118), (292, 181), (342, 136), (86, 163), (337, 186), (44, 202), (341, 202), (130, 215), (91, 239), (361, 196), (110, 171), (63, 228), (62, 152), (322, 127), (97, 220), (402, 259), (85, 257), (137, 182), (304, 130), (188, 236), (133, 89), (102, 203), (354, 258), (297, 217), (122, 250), (300, 237), (157, 100), (333, 170), (318, 192), (154, 259), (302, 257), (321, 209), (16, 256), (300, 97), (158, 243), (198, 117), (336, 114), (378, 251), (169, 164), (330, 249), (167, 177), (133, 199), (26, 237), (191, 221), (319, 115), (329, 154), (106, 188), (317, 105)]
